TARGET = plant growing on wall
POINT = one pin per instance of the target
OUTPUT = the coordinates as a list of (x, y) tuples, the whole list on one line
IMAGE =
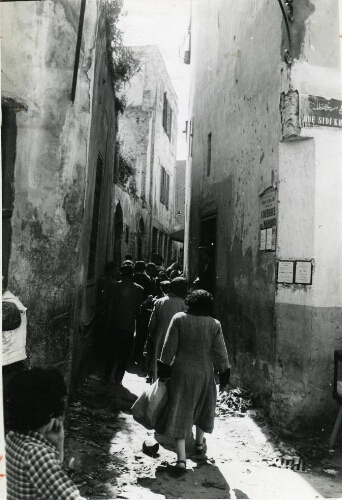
[(126, 167), (122, 62)]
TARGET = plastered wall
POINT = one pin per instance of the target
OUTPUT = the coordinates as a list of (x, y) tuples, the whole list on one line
[(280, 338), (235, 97), (54, 171)]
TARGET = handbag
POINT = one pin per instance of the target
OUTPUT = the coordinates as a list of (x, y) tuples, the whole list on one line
[(150, 404)]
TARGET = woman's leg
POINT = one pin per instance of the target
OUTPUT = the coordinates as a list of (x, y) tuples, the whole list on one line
[(200, 444), (199, 436), (180, 450)]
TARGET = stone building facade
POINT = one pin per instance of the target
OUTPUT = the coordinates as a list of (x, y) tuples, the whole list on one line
[(148, 134), (263, 192), (58, 149)]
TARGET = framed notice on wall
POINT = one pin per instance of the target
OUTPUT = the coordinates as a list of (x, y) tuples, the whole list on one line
[(269, 233), (263, 239), (303, 272), (268, 219), (285, 271)]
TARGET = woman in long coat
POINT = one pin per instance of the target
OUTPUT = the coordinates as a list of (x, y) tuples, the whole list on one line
[(164, 309), (194, 348)]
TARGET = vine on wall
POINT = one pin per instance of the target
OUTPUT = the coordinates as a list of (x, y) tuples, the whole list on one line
[(127, 162), (123, 63)]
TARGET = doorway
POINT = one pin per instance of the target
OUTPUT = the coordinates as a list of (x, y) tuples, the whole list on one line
[(207, 253)]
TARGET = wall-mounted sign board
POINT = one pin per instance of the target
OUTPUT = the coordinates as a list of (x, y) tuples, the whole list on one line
[(268, 219), (285, 271), (297, 272), (303, 272), (263, 239), (317, 111), (269, 238)]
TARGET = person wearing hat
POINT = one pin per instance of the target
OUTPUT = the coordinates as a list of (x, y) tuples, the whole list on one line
[(164, 309)]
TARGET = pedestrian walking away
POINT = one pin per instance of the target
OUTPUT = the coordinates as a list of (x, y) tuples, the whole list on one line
[(164, 309), (193, 348), (151, 271), (140, 277), (125, 302)]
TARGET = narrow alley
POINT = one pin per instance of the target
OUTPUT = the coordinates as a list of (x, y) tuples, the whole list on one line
[(245, 457), (171, 178)]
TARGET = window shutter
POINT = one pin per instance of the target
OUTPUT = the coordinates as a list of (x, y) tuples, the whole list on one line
[(165, 112), (167, 189), (162, 185), (169, 120)]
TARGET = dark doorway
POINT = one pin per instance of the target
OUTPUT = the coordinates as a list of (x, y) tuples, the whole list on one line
[(207, 253), (141, 232), (8, 154), (118, 231), (154, 240)]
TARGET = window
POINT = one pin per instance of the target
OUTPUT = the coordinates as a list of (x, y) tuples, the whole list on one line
[(164, 187), (167, 116), (127, 234), (95, 221), (208, 154)]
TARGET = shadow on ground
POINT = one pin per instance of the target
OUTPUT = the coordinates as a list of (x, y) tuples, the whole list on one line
[(94, 419), (105, 459)]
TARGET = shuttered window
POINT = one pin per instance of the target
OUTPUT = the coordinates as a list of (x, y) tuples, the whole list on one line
[(167, 116), (164, 187)]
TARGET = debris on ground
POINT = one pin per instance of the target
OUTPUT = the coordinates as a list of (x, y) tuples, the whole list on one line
[(294, 463), (330, 471), (150, 447), (235, 403), (108, 455)]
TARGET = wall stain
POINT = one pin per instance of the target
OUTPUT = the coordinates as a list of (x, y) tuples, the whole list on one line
[(302, 11)]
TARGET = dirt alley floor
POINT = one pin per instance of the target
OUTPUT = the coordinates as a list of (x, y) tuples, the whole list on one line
[(245, 458)]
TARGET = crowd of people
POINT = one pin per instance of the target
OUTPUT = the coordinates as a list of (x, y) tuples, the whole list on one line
[(145, 313), (176, 339), (136, 302)]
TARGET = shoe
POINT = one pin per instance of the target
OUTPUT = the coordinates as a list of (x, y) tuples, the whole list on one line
[(201, 448), (180, 467), (174, 470)]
